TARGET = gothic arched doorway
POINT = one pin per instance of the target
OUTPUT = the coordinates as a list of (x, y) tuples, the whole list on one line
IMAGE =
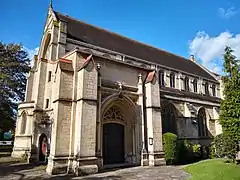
[(43, 147), (113, 136), (169, 119), (113, 143)]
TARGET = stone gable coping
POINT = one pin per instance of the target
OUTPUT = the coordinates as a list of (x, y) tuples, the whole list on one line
[(87, 61), (65, 65), (151, 76)]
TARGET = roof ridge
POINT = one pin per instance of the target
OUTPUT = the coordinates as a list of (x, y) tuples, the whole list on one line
[(122, 36)]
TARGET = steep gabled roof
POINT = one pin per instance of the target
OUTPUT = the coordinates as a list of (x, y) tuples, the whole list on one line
[(84, 32)]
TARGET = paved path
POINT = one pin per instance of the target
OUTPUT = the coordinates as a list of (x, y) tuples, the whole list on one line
[(22, 171)]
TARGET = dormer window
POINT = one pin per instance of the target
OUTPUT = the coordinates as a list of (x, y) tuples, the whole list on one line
[(213, 90), (172, 80), (195, 85), (206, 88), (186, 84), (161, 78)]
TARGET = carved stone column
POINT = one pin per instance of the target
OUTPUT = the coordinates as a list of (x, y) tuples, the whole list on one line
[(144, 155)]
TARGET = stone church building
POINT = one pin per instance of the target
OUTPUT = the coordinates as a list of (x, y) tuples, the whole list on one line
[(96, 99)]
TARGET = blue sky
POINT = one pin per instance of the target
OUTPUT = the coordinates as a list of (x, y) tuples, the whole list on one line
[(186, 27)]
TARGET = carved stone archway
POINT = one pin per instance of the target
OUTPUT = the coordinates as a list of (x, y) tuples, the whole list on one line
[(119, 112)]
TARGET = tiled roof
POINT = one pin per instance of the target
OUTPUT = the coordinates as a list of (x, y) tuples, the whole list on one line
[(84, 32)]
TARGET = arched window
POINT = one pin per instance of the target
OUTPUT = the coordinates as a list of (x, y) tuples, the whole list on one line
[(161, 78), (46, 49), (186, 84), (202, 123), (23, 123), (206, 88), (172, 80), (213, 90), (195, 85), (168, 119)]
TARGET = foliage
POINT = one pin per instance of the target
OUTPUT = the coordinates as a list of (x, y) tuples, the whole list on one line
[(212, 151), (170, 147), (185, 152), (205, 152), (196, 148), (14, 66), (224, 146), (190, 152), (213, 169), (230, 106)]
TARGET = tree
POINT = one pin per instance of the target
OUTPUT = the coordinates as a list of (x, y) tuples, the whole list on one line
[(14, 66), (230, 106)]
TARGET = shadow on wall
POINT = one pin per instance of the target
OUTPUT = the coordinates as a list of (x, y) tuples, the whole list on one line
[(193, 128)]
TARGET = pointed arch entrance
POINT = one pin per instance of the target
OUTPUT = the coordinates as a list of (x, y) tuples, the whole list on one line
[(119, 137), (43, 148), (113, 136)]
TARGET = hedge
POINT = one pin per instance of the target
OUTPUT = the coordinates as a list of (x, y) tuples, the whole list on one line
[(170, 148)]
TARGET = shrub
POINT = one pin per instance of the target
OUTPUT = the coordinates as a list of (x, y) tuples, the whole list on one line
[(188, 152), (196, 149), (205, 152), (225, 146), (212, 151), (170, 148), (185, 154)]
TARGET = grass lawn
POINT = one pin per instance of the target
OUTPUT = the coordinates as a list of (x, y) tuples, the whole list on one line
[(213, 169)]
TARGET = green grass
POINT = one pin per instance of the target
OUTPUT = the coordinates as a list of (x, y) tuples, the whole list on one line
[(213, 169)]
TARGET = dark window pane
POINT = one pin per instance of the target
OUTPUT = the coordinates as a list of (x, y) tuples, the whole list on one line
[(161, 78), (172, 80), (186, 84), (195, 85)]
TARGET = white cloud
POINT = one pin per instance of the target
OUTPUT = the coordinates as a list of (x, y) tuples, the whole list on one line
[(31, 53), (209, 50), (227, 13)]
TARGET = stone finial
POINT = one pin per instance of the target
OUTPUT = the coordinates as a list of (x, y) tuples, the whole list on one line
[(120, 85), (140, 78), (35, 57), (192, 58), (98, 66), (50, 4)]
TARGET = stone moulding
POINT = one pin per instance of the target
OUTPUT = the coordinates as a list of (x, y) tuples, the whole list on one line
[(115, 85)]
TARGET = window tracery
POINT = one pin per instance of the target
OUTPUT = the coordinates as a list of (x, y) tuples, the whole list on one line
[(113, 114), (168, 119), (202, 123)]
